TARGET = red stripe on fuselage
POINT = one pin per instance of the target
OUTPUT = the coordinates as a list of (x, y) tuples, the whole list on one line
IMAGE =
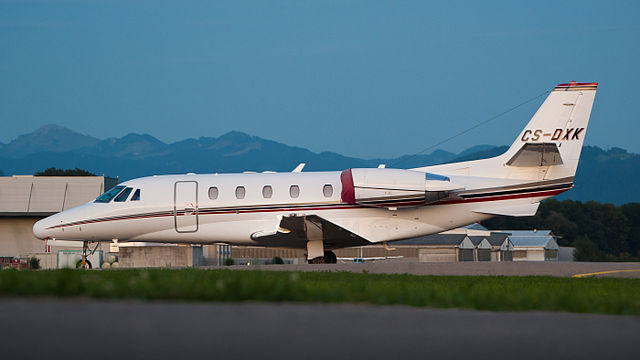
[(489, 198)]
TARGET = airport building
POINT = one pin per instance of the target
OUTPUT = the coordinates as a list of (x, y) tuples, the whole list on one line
[(533, 245), (25, 199)]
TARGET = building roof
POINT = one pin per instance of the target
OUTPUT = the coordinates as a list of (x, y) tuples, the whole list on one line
[(526, 233), (435, 239), (532, 238), (28, 195), (475, 226), (455, 239), (495, 239)]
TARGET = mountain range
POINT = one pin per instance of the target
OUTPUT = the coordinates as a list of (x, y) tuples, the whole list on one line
[(603, 175)]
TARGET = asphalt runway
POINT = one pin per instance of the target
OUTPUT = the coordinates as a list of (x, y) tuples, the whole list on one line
[(63, 328), (524, 268)]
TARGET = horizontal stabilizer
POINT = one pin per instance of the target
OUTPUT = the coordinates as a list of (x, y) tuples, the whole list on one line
[(515, 210)]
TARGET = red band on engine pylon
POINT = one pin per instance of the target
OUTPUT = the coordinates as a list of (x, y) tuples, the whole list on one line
[(348, 194)]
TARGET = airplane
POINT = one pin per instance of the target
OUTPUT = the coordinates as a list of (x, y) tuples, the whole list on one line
[(324, 211)]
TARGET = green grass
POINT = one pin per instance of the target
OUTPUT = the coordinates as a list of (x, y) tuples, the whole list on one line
[(496, 293)]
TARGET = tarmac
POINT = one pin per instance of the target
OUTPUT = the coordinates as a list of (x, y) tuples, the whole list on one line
[(516, 268), (97, 329)]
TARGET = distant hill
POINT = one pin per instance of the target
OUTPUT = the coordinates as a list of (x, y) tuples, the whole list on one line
[(49, 138), (603, 175)]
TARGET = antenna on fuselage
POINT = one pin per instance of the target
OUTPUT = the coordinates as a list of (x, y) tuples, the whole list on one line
[(299, 167)]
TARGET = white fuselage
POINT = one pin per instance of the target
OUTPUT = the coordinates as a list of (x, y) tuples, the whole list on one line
[(178, 209)]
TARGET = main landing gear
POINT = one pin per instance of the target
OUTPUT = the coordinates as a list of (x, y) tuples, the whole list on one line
[(328, 258), (316, 254)]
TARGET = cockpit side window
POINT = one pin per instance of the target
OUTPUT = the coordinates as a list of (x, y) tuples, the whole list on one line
[(122, 197), (106, 197), (136, 195)]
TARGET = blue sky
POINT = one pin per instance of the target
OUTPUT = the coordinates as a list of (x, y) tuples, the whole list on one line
[(361, 78)]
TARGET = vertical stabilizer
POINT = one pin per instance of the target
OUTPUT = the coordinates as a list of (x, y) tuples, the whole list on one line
[(553, 138), (547, 148)]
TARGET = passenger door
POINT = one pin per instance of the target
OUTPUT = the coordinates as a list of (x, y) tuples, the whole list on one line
[(185, 206)]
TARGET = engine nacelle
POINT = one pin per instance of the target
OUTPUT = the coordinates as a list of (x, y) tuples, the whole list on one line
[(393, 187)]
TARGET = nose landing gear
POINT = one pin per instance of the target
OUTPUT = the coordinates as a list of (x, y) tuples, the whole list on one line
[(84, 263)]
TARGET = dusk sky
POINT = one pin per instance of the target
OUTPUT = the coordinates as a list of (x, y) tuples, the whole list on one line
[(361, 78)]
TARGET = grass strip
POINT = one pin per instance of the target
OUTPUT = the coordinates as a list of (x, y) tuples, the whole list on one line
[(494, 293)]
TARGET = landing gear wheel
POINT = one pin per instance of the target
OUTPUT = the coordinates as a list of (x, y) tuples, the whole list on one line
[(330, 257), (318, 260), (84, 263), (87, 264)]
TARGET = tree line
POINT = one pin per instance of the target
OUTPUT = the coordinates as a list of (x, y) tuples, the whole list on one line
[(599, 232), (52, 171)]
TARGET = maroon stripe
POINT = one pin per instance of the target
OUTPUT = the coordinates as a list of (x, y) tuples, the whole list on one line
[(338, 207)]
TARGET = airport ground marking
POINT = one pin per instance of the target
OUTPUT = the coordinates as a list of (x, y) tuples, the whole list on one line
[(604, 272)]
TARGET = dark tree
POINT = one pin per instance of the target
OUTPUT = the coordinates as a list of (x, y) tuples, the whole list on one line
[(52, 171), (599, 232)]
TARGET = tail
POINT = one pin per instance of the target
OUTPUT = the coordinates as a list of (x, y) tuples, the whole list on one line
[(548, 148), (555, 134)]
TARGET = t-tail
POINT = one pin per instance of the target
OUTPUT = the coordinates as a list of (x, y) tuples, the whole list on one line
[(548, 148)]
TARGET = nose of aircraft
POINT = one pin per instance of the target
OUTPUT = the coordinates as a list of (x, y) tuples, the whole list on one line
[(40, 228)]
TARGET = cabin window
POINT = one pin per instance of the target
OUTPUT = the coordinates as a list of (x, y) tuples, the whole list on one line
[(136, 195), (106, 197), (294, 191), (122, 197), (240, 192), (213, 193), (327, 190), (267, 192)]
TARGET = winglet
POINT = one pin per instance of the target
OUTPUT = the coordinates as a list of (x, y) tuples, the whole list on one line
[(299, 167)]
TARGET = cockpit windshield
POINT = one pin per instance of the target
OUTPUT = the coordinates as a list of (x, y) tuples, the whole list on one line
[(122, 197), (106, 197)]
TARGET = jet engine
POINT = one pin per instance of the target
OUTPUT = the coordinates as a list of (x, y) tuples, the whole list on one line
[(393, 187)]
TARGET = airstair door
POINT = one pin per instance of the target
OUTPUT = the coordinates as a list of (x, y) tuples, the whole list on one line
[(185, 206)]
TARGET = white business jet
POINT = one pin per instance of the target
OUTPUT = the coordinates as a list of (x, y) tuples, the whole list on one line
[(323, 211)]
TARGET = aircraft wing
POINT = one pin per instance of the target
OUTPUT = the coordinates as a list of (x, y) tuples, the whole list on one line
[(292, 232)]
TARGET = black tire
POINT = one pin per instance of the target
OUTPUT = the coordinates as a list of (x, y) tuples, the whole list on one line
[(330, 257), (79, 264), (318, 260)]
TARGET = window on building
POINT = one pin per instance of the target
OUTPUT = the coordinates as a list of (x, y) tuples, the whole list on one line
[(240, 192), (484, 254), (267, 192), (520, 254), (136, 195), (213, 193), (294, 191), (466, 255), (327, 190), (550, 254), (122, 197)]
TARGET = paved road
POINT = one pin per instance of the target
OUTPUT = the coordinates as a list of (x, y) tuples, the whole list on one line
[(477, 268), (55, 328)]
